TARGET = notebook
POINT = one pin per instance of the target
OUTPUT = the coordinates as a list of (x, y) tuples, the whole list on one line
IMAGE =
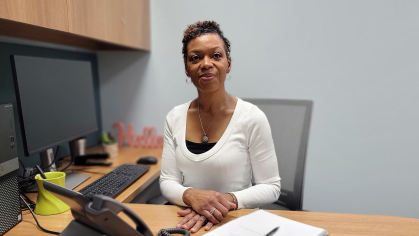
[(260, 223)]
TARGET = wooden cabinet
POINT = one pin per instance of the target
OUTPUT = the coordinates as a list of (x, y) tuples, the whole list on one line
[(123, 21), (50, 14), (95, 24)]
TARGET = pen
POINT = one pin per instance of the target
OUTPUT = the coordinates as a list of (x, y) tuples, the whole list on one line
[(41, 172), (272, 232)]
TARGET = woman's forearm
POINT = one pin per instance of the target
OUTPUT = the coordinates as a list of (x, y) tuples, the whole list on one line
[(258, 195), (190, 195), (187, 195), (228, 197), (173, 191)]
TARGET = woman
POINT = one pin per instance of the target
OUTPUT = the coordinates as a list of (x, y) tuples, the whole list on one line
[(215, 143)]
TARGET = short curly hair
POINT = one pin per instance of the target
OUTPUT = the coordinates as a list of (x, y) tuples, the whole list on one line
[(200, 28)]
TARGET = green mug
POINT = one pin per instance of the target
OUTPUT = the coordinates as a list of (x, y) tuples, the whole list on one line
[(47, 203)]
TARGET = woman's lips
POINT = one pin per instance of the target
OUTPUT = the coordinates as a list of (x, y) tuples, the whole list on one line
[(207, 77)]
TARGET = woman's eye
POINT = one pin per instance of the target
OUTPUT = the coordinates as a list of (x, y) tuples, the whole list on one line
[(194, 58), (217, 55)]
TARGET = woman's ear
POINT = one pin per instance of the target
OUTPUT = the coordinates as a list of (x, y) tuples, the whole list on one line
[(229, 65), (186, 70)]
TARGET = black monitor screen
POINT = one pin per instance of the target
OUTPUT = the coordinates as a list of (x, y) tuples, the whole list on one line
[(55, 100)]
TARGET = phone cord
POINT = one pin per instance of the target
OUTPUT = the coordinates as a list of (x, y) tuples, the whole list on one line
[(169, 232)]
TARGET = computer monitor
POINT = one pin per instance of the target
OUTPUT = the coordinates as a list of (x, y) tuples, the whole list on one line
[(56, 103)]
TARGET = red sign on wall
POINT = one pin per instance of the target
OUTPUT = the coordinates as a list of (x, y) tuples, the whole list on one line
[(148, 139)]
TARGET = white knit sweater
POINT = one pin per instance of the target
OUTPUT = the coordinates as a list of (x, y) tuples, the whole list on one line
[(246, 147)]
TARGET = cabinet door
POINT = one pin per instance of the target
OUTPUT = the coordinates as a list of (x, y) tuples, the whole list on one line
[(50, 14), (125, 22)]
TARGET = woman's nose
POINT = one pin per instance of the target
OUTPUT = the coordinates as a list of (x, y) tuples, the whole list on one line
[(206, 62)]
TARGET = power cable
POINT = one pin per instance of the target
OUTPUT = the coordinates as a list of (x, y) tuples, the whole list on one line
[(45, 230)]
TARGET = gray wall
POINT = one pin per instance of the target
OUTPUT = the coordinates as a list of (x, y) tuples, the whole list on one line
[(358, 60)]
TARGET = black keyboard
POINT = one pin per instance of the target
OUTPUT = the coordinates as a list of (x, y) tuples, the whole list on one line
[(115, 181)]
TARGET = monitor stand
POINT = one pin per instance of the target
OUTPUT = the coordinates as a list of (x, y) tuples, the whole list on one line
[(47, 157), (72, 180)]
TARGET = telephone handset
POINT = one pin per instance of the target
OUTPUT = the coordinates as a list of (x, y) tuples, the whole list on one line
[(98, 215)]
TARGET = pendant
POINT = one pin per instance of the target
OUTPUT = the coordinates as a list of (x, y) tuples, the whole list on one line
[(205, 139)]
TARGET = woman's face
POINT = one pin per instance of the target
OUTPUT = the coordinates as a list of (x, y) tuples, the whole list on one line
[(207, 63)]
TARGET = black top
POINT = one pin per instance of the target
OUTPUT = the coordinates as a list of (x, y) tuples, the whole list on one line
[(199, 148)]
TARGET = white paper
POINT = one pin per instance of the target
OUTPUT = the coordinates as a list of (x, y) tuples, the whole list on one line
[(261, 222)]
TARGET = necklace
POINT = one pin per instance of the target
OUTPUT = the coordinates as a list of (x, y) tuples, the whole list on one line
[(205, 137)]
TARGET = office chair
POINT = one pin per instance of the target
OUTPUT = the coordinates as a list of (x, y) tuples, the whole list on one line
[(290, 124)]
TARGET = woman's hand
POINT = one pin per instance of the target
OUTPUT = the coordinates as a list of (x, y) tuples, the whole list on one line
[(192, 221), (203, 201)]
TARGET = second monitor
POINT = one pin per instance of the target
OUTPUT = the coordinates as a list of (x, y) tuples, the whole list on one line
[(56, 103)]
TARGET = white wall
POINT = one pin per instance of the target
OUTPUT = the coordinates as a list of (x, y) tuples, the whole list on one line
[(358, 60)]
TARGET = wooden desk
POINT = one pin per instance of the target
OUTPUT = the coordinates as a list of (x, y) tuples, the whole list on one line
[(126, 156), (160, 216), (157, 216)]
